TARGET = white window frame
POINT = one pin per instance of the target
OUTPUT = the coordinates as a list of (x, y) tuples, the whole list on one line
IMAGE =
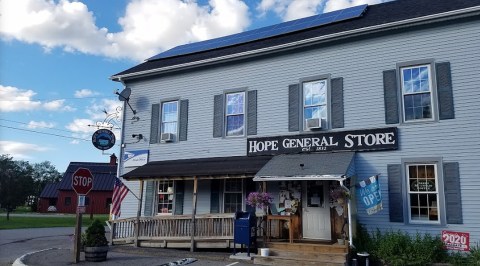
[(431, 91), (170, 194), (432, 208), (324, 121), (235, 114), (163, 122), (225, 192)]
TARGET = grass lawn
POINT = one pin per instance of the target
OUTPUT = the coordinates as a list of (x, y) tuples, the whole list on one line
[(17, 222)]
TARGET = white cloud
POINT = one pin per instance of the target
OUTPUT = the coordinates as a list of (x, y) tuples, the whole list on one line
[(295, 9), (15, 100), (81, 126), (341, 4), (40, 124), (84, 93), (20, 150), (148, 26)]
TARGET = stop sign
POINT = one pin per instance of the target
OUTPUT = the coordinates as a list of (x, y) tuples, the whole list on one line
[(82, 181)]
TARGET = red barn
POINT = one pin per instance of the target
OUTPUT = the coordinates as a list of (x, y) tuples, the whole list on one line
[(63, 197)]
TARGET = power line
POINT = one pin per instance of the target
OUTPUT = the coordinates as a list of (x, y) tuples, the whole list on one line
[(23, 123), (38, 100), (38, 132)]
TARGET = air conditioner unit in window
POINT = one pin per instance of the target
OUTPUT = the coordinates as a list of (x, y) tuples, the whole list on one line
[(313, 123), (167, 137)]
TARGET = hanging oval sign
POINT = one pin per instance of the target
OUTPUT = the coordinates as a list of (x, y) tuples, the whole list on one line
[(103, 139)]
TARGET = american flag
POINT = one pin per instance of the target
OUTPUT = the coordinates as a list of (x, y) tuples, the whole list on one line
[(119, 193)]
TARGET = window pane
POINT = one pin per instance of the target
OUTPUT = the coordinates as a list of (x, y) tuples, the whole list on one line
[(422, 193), (416, 93), (314, 92), (235, 103), (235, 125), (169, 117), (165, 197), (233, 202)]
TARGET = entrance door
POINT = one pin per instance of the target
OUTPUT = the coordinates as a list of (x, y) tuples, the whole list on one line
[(316, 210)]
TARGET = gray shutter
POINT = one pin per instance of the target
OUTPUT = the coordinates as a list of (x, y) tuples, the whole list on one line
[(395, 192), (179, 195), (154, 123), (215, 196), (453, 197), (218, 116), (444, 91), (390, 92), (337, 103), (252, 113), (182, 135), (294, 107), (149, 196)]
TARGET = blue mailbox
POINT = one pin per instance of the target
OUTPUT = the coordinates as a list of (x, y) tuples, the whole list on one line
[(245, 232)]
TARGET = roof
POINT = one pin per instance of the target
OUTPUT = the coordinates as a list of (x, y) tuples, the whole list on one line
[(50, 190), (311, 166), (104, 175), (218, 166), (385, 16)]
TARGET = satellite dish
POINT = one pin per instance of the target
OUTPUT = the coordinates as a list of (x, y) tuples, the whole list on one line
[(125, 94)]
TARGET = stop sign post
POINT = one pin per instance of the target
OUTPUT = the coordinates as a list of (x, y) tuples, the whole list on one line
[(82, 183)]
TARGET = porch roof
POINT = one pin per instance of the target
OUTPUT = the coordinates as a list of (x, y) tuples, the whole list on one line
[(202, 167), (312, 166)]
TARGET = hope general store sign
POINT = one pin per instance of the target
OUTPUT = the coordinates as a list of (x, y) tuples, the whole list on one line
[(355, 140)]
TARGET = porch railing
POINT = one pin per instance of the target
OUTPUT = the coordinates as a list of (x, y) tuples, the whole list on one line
[(175, 227)]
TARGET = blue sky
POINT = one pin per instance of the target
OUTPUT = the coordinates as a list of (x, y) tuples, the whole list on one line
[(56, 58)]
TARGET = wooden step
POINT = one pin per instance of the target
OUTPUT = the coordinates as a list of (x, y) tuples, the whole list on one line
[(308, 247), (316, 256), (300, 261)]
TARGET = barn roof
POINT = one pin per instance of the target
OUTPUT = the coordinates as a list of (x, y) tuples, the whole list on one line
[(104, 175), (50, 190), (377, 18)]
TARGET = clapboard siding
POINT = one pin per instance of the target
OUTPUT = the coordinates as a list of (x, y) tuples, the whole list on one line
[(360, 63)]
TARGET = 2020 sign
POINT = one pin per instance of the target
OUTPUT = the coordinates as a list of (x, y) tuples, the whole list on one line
[(456, 240)]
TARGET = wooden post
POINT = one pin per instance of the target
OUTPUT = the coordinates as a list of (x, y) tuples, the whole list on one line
[(194, 212), (139, 213), (78, 232)]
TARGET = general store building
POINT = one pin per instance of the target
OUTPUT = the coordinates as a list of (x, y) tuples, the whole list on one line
[(387, 90)]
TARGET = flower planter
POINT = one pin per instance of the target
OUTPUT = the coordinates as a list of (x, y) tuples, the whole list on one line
[(264, 252), (96, 253)]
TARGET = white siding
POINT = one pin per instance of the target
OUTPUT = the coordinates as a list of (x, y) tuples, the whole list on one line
[(360, 63)]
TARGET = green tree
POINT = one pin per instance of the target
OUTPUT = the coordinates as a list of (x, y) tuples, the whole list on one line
[(16, 183), (43, 173)]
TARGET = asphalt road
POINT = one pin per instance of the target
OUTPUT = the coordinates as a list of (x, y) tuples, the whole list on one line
[(54, 246)]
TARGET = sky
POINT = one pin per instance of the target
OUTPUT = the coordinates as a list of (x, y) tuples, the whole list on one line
[(56, 57)]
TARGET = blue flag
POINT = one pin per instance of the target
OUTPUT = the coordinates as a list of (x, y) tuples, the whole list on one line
[(369, 192)]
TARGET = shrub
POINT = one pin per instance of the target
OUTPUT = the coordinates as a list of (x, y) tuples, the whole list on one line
[(474, 257), (95, 235)]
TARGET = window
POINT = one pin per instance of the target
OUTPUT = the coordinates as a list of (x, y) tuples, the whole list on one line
[(108, 202), (165, 197), (314, 100), (235, 114), (416, 83), (423, 195), (169, 117), (87, 201), (68, 201), (233, 195)]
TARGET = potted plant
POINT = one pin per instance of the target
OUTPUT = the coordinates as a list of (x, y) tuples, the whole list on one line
[(96, 244), (339, 194)]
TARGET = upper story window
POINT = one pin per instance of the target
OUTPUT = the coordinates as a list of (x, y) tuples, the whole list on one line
[(169, 121), (416, 82), (235, 114), (423, 196), (314, 103), (169, 117)]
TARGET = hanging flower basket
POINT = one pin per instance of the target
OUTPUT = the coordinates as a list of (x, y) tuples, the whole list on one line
[(259, 200)]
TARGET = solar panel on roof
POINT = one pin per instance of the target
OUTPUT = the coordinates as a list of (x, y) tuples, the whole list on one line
[(266, 32)]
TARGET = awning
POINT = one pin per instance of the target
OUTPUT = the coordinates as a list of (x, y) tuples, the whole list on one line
[(204, 167), (311, 166)]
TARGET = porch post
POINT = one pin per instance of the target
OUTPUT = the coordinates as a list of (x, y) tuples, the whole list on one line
[(194, 212), (349, 206), (139, 212)]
